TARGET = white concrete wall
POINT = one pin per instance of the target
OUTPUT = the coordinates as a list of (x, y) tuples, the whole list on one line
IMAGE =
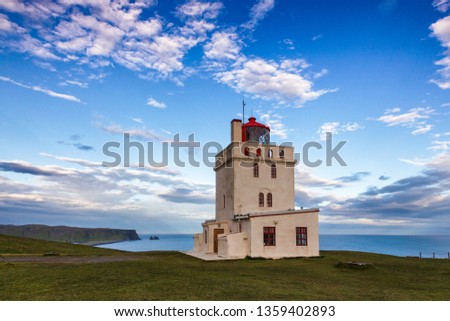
[(235, 180), (224, 186), (223, 246), (247, 187), (234, 246), (285, 235), (198, 242)]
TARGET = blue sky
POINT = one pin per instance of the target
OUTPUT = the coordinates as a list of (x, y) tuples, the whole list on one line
[(76, 74)]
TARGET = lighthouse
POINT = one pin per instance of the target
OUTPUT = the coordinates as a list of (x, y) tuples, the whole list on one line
[(255, 201)]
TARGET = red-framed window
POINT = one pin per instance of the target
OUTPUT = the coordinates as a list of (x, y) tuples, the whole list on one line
[(255, 170), (269, 199), (301, 236), (258, 152), (273, 171), (269, 238), (246, 151), (261, 199)]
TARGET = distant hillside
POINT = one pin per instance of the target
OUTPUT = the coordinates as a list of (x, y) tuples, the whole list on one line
[(69, 234)]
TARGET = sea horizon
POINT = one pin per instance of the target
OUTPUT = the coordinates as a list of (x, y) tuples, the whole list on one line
[(425, 246)]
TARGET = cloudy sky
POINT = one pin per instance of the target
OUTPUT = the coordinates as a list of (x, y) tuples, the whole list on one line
[(77, 74)]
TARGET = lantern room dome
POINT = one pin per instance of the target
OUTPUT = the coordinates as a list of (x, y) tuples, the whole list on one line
[(253, 123), (252, 131)]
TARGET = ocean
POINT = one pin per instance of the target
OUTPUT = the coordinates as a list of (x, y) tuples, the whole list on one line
[(398, 245)]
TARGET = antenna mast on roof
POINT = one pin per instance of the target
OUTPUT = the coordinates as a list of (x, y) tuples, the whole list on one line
[(243, 110)]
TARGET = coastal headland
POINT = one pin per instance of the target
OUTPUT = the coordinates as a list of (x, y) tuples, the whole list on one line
[(68, 234)]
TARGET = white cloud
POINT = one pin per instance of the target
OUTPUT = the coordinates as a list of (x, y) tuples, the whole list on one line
[(392, 110), (42, 90), (33, 10), (149, 28), (8, 26), (223, 45), (103, 36), (321, 73), (441, 30), (35, 47), (413, 118), (102, 32), (269, 80), (336, 128), (154, 103), (75, 83), (55, 94), (441, 134), (73, 45), (331, 127), (441, 5), (76, 193), (139, 133), (275, 122), (422, 129), (351, 127), (195, 9), (44, 65), (440, 145), (258, 12), (137, 120), (410, 117), (439, 161), (294, 65), (164, 53), (289, 44)]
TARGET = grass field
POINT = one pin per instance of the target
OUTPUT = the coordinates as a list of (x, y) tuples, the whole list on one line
[(86, 273)]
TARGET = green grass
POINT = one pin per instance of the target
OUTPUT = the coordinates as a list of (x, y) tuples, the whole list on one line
[(18, 245), (175, 276)]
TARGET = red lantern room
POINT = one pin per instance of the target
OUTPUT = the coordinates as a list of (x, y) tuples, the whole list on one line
[(255, 132)]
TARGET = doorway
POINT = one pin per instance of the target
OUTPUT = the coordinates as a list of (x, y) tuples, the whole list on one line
[(217, 231)]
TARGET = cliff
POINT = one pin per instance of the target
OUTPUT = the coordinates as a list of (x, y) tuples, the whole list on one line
[(70, 234)]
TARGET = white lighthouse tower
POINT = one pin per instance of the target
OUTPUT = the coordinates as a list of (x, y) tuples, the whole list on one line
[(255, 201)]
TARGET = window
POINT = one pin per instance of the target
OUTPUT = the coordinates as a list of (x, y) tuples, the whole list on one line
[(269, 236), (261, 200), (273, 171), (206, 237), (255, 170), (269, 200), (270, 153), (246, 151), (281, 153), (258, 152), (301, 236), (223, 200)]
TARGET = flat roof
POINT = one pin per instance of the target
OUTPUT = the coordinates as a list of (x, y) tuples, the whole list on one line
[(277, 213)]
